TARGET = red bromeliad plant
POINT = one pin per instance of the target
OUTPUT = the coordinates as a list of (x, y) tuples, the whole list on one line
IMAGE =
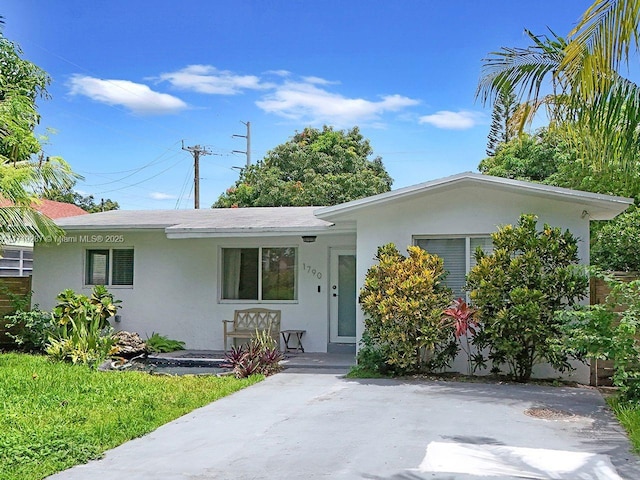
[(463, 318)]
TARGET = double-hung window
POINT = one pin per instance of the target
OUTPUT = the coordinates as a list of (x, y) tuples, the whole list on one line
[(265, 273), (109, 267), (458, 254)]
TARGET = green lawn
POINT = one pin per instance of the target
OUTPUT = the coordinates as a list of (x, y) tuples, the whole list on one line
[(56, 415)]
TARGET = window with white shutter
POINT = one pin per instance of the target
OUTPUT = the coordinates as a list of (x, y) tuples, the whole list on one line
[(458, 256), (109, 267)]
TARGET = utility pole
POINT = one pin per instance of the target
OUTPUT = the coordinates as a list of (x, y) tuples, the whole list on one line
[(196, 152), (248, 137)]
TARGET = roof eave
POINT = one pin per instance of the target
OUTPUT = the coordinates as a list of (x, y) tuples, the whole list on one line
[(608, 203), (187, 232)]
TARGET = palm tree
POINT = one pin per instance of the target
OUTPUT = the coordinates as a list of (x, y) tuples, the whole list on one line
[(588, 101)]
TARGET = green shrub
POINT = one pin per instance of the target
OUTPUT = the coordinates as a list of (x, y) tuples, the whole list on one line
[(615, 245), (32, 329), (610, 331), (403, 298), (517, 290), (371, 359), (82, 333), (157, 343), (72, 306)]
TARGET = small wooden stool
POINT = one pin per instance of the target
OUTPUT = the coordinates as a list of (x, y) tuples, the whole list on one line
[(286, 336)]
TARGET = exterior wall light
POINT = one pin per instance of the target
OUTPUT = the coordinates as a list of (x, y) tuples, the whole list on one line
[(309, 238)]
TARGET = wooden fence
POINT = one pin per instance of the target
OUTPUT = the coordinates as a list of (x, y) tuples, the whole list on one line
[(602, 370), (12, 289)]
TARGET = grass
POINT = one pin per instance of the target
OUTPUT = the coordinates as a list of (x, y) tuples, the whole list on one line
[(358, 371), (628, 415), (56, 415)]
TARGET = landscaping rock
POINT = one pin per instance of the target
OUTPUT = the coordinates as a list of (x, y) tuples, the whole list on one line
[(130, 344)]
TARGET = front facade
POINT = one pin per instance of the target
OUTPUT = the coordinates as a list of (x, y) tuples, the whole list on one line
[(180, 273)]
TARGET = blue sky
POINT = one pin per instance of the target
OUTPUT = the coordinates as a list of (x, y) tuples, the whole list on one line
[(132, 78)]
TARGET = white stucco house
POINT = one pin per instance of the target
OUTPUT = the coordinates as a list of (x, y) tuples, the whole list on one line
[(181, 272)]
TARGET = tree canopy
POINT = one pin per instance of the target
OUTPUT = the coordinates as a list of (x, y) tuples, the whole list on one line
[(314, 167), (591, 104), (85, 202), (24, 169)]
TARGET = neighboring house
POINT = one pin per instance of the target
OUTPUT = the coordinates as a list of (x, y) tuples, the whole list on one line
[(16, 256), (181, 272)]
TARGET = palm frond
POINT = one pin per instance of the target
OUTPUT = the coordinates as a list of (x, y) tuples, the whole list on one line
[(524, 69), (606, 31), (611, 124), (27, 224)]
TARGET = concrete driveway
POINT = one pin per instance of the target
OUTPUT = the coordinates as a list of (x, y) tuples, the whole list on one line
[(320, 425)]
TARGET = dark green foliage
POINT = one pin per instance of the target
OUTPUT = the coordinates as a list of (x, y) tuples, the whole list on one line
[(518, 288), (31, 329), (550, 158), (532, 158), (500, 131), (315, 167), (371, 358), (157, 343), (610, 331), (403, 298), (616, 246)]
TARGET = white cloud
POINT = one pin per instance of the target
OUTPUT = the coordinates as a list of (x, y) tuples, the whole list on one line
[(279, 73), (446, 119), (208, 79), (307, 102), (137, 97), (162, 196), (318, 81)]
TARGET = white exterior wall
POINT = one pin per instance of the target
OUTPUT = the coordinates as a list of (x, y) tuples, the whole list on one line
[(176, 288), (461, 211)]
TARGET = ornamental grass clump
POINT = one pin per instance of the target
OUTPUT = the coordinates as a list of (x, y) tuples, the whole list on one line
[(403, 299)]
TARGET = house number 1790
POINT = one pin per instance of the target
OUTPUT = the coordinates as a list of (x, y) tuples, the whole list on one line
[(311, 271)]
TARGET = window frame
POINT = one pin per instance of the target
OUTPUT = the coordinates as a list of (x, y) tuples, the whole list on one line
[(21, 270), (259, 300), (467, 246), (110, 269)]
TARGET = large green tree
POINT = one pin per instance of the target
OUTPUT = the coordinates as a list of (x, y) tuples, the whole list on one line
[(548, 157), (580, 81), (532, 158), (23, 168), (315, 167), (85, 202)]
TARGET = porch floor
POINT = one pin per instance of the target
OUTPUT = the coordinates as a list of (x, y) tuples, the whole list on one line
[(320, 362)]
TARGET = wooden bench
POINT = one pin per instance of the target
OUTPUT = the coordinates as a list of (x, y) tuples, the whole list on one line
[(245, 323)]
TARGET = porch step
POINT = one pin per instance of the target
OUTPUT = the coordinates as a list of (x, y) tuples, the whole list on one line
[(346, 348), (322, 361)]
